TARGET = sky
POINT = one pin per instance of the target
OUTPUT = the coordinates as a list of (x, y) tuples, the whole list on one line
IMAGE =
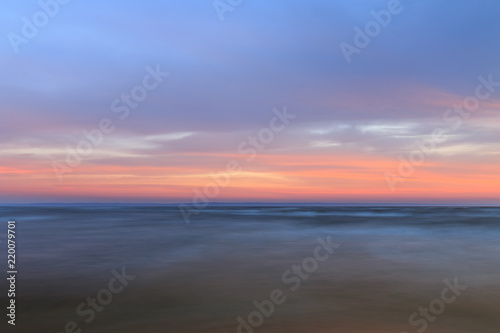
[(250, 101)]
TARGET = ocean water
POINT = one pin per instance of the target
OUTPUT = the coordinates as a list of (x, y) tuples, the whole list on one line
[(254, 269)]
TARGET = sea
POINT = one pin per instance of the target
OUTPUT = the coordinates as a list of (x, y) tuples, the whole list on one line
[(252, 268)]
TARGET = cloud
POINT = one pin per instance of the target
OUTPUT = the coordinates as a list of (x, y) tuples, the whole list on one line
[(226, 77)]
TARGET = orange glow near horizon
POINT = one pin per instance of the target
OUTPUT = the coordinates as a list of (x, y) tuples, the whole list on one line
[(273, 178), (339, 161)]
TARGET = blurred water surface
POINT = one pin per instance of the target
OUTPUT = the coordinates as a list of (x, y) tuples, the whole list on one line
[(202, 276)]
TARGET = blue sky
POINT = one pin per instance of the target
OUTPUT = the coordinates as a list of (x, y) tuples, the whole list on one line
[(227, 76)]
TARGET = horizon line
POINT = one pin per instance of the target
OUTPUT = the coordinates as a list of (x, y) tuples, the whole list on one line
[(254, 203)]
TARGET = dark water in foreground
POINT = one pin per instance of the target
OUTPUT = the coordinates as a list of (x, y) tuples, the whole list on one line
[(203, 276)]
